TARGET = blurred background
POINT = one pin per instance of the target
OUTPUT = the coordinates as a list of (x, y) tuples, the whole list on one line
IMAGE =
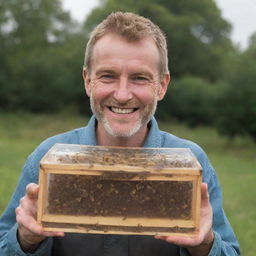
[(211, 99), (214, 78)]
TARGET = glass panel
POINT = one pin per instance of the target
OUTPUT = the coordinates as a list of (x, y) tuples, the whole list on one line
[(96, 196), (157, 158)]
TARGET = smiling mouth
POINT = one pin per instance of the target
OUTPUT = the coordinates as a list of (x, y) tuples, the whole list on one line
[(122, 110)]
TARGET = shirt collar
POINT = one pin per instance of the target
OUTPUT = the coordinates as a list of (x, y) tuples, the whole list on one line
[(153, 139)]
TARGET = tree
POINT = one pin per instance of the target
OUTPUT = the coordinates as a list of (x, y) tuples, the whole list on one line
[(237, 106), (190, 100), (41, 55), (197, 35)]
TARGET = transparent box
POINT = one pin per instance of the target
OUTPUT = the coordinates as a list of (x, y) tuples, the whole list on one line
[(119, 190)]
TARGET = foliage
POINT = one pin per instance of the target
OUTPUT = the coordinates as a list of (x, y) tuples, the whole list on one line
[(42, 48), (41, 56), (197, 35), (191, 100), (238, 102)]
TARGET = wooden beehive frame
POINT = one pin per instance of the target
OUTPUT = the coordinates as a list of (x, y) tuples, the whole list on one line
[(120, 225)]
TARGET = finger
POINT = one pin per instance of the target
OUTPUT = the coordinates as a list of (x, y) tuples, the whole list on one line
[(27, 222), (179, 240), (204, 191), (28, 206), (205, 198), (31, 225), (32, 190), (161, 237), (55, 233)]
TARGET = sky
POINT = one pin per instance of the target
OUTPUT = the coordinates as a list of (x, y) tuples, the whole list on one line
[(240, 13)]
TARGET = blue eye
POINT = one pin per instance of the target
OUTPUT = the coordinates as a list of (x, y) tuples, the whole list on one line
[(107, 76), (140, 80)]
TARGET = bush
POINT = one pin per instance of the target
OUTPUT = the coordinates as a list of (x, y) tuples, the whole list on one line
[(238, 103), (190, 100)]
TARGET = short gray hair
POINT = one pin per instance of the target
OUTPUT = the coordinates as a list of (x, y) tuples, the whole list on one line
[(133, 28)]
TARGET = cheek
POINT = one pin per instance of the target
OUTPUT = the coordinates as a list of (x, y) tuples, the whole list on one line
[(146, 95), (100, 92)]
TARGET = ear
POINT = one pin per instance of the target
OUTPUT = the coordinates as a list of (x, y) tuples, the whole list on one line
[(163, 86), (87, 81)]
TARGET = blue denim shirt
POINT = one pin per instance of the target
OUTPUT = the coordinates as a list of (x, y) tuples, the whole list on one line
[(225, 242)]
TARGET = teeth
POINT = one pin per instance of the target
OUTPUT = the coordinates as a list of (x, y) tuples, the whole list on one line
[(122, 110)]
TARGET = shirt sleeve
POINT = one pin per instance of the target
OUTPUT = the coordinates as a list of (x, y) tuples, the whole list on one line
[(225, 242), (9, 245)]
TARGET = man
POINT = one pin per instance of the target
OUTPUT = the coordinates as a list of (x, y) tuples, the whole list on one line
[(125, 74)]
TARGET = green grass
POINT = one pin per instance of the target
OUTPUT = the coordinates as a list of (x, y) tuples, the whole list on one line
[(234, 161)]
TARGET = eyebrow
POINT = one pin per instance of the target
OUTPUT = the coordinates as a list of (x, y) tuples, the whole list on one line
[(105, 70)]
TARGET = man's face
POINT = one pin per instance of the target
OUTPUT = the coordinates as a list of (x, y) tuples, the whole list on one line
[(124, 85)]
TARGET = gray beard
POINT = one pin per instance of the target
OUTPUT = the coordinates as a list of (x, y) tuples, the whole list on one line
[(121, 135)]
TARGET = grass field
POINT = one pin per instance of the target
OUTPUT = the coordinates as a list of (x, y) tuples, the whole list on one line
[(234, 161)]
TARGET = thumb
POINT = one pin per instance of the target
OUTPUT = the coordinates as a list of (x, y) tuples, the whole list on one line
[(204, 193), (32, 190)]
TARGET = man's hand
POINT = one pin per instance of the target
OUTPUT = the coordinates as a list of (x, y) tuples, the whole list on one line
[(199, 245), (30, 233)]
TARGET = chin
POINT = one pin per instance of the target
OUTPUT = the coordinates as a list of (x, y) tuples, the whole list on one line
[(122, 133)]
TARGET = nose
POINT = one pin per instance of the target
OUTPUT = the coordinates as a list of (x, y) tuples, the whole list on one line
[(122, 92)]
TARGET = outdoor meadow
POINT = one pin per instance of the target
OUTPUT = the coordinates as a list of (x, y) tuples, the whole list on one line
[(211, 99)]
